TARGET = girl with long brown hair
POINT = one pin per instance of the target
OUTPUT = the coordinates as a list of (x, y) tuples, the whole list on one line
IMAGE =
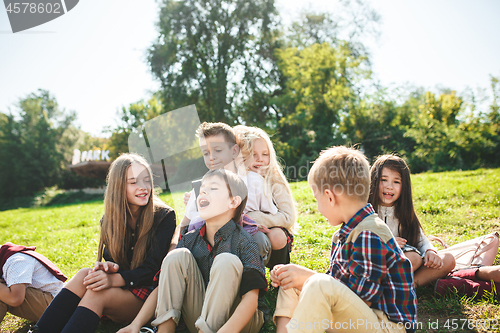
[(136, 231), (391, 197)]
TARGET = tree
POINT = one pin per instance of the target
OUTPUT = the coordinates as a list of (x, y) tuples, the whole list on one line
[(493, 123), (351, 22), (214, 54), (131, 119), (320, 82), (378, 124), (32, 145)]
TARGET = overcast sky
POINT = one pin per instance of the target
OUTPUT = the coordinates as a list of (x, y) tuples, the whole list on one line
[(92, 59)]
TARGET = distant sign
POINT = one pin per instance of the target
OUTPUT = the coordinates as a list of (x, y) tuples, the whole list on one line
[(89, 155)]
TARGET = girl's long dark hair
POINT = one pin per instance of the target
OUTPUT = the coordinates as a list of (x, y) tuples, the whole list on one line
[(409, 225)]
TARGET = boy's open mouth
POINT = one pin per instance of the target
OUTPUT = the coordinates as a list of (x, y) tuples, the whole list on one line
[(204, 203)]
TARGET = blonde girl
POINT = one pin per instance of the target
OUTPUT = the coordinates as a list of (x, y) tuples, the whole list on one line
[(259, 156), (136, 231), (391, 197)]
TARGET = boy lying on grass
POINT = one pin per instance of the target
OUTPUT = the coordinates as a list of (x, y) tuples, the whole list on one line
[(29, 282), (369, 285)]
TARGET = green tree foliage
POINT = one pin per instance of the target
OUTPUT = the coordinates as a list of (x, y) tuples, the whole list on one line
[(351, 21), (130, 119), (379, 124), (494, 119), (433, 132), (320, 82), (214, 54), (33, 145), (320, 64)]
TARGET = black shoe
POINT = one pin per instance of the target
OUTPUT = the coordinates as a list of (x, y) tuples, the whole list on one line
[(34, 329)]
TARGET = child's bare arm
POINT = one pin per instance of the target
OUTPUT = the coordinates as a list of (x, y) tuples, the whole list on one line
[(175, 237), (13, 295), (290, 276), (243, 313), (184, 223)]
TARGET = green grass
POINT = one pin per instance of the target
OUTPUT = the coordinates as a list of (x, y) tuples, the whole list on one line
[(452, 205)]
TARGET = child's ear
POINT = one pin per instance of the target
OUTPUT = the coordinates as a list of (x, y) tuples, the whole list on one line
[(235, 202), (235, 150), (332, 197)]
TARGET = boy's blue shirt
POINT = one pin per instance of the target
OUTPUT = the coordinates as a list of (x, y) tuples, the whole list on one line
[(366, 258)]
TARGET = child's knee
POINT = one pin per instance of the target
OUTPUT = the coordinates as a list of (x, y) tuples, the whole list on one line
[(448, 262), (175, 257), (96, 300), (227, 262), (79, 277), (81, 274), (318, 283), (278, 238)]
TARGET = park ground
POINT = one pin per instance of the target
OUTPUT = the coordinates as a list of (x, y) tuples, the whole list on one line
[(455, 206)]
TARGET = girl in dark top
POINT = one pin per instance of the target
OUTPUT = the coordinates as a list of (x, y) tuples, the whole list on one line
[(136, 231)]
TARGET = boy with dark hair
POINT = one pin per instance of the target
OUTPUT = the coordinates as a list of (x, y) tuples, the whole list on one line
[(215, 275), (369, 285)]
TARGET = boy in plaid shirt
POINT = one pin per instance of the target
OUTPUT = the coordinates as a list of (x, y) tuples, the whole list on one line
[(369, 284)]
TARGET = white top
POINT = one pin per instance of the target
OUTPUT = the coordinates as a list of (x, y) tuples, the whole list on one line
[(23, 268), (257, 199), (388, 216)]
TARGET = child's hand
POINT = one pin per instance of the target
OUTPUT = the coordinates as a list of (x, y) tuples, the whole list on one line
[(263, 228), (292, 276), (432, 260), (274, 276), (97, 281), (108, 267), (401, 241), (187, 195)]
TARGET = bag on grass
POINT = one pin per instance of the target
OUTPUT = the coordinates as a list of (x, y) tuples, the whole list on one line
[(480, 251)]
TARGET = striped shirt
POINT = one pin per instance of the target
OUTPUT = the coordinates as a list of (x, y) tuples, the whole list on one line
[(366, 258)]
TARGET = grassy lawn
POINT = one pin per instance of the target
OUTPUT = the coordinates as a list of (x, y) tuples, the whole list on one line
[(455, 206)]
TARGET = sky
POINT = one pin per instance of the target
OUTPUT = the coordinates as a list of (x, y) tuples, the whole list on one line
[(93, 58)]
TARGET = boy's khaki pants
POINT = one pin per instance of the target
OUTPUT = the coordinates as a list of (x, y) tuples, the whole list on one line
[(326, 304), (35, 303), (182, 290)]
